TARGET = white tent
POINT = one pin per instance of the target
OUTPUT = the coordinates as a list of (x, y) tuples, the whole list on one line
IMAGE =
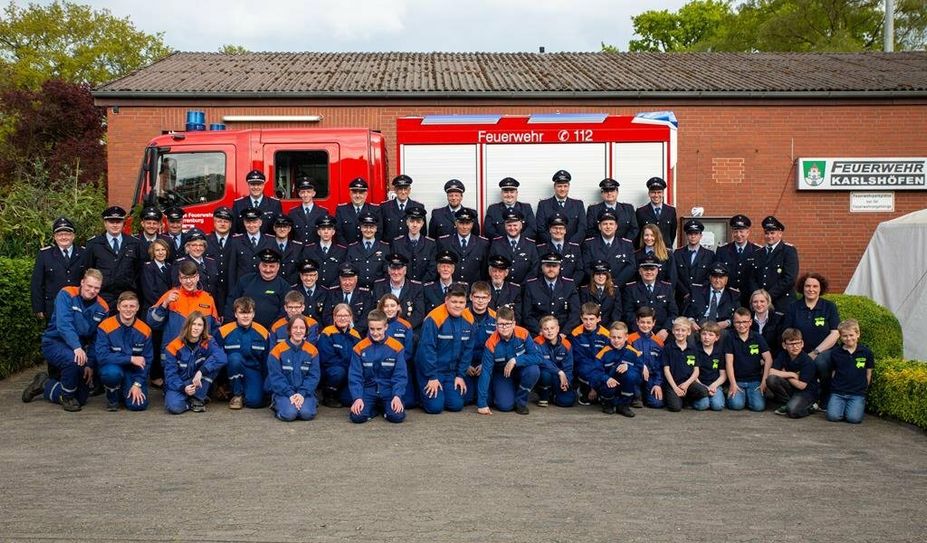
[(893, 272)]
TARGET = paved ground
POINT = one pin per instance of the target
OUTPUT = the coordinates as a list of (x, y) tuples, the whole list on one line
[(555, 475)]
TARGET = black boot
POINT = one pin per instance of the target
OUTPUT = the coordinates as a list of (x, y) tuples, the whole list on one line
[(36, 387)]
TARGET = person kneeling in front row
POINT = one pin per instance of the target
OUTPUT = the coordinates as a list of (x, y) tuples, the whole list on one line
[(852, 362), (510, 367), (191, 362), (124, 355), (793, 378), (680, 368), (377, 376), (618, 373), (293, 373)]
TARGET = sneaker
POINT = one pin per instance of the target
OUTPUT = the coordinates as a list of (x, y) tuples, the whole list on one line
[(237, 402), (608, 409), (814, 408), (330, 399), (625, 411), (637, 403), (36, 387), (543, 403), (521, 409), (112, 407), (70, 404), (197, 405), (582, 399), (782, 410)]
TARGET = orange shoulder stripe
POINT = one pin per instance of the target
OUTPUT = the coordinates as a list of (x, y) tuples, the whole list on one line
[(493, 340), (143, 328), (394, 344), (603, 351), (361, 345), (309, 348), (226, 329), (280, 348), (109, 324), (72, 291), (260, 329), (521, 333)]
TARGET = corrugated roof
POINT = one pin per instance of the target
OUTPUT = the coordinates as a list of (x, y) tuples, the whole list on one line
[(524, 74)]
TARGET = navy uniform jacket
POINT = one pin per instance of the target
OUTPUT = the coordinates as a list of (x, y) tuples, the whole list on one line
[(154, 284), (739, 267), (361, 304), (572, 264), (421, 266), (696, 304), (121, 271), (538, 301), (411, 299), (304, 229), (347, 229), (270, 209), (663, 302), (242, 256), (620, 257), (394, 220), (209, 275), (777, 274), (220, 255), (627, 220), (494, 222), (524, 257), (610, 307), (471, 262), (291, 256), (328, 263), (509, 295), (52, 273), (667, 222), (575, 212), (688, 273), (267, 295), (146, 244), (176, 252), (443, 221), (315, 302), (667, 268), (433, 292), (370, 263)]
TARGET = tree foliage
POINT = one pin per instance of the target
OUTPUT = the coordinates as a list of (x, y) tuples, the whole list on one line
[(229, 49), (780, 25), (72, 42)]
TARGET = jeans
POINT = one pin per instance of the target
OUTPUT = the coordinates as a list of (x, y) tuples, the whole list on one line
[(848, 407), (716, 402), (695, 392), (749, 395), (796, 401), (822, 361)]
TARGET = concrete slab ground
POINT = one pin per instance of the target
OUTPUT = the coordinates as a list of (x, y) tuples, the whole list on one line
[(555, 475)]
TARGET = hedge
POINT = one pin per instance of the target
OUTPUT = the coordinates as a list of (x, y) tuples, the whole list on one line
[(879, 328), (19, 329), (899, 390)]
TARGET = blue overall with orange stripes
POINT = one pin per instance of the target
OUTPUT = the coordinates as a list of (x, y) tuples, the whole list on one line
[(554, 359), (279, 332), (377, 374), (181, 362), (401, 330), (508, 392), (246, 349), (293, 369), (116, 344), (610, 363), (335, 347), (444, 352), (171, 318)]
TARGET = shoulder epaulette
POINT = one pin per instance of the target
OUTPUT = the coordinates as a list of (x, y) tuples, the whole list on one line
[(428, 284), (603, 351), (414, 282), (393, 344), (47, 247), (666, 282), (343, 204), (787, 243), (589, 238), (363, 289), (632, 349), (567, 279), (482, 238), (514, 284), (631, 284), (406, 323), (531, 280), (398, 238), (226, 329), (330, 329), (444, 236), (626, 239)]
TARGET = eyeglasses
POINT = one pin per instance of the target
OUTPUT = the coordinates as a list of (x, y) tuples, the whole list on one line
[(479, 297), (742, 322), (505, 324), (798, 343)]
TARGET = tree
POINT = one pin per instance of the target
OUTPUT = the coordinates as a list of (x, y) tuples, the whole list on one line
[(780, 25), (229, 49), (73, 43)]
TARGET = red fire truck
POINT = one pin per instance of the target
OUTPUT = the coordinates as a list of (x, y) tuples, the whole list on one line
[(202, 170)]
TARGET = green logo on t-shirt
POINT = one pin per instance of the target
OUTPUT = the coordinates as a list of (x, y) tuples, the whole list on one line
[(690, 359), (860, 362), (714, 363), (755, 348), (819, 321)]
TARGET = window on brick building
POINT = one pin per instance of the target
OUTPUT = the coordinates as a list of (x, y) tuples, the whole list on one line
[(190, 178), (290, 165)]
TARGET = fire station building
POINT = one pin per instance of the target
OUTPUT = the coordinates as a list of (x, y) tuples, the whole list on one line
[(831, 144)]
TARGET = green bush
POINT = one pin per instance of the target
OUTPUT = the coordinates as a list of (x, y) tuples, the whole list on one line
[(19, 329), (879, 328), (899, 390), (29, 205)]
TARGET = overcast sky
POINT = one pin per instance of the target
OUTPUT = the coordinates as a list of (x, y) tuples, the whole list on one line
[(386, 25)]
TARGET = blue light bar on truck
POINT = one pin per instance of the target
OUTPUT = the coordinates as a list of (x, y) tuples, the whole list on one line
[(553, 118), (461, 119)]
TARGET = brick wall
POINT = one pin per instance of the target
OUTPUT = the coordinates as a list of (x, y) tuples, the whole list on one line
[(733, 158)]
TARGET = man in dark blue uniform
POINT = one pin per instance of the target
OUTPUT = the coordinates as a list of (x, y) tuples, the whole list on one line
[(713, 302), (218, 245), (195, 248), (776, 265), (494, 221), (652, 293), (347, 215), (291, 250), (435, 291), (570, 253), (692, 261), (503, 293), (150, 221), (307, 213), (265, 287), (175, 236), (242, 258), (443, 219), (657, 212), (471, 250), (521, 251), (348, 292), (574, 210), (313, 293), (368, 255), (550, 294), (417, 248), (268, 207), (609, 247), (410, 293), (328, 254), (739, 257), (395, 211), (118, 257), (57, 266), (624, 213)]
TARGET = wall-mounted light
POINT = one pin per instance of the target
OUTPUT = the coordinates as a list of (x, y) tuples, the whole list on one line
[(272, 118)]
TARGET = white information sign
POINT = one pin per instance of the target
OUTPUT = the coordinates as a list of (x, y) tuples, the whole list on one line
[(872, 202)]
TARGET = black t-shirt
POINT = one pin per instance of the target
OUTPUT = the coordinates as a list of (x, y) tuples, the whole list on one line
[(681, 362), (804, 366), (850, 370), (709, 365), (748, 355)]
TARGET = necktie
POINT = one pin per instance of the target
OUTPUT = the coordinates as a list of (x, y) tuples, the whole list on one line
[(254, 241), (650, 290), (402, 206), (324, 251), (221, 243), (161, 269), (115, 245), (601, 292), (282, 247), (66, 253), (445, 289), (307, 210), (367, 245), (740, 251), (713, 306), (514, 244), (656, 212), (357, 210), (463, 244), (559, 247), (608, 246), (347, 298), (692, 256), (562, 204), (769, 250), (255, 203), (413, 243), (176, 241), (498, 293), (551, 285)]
